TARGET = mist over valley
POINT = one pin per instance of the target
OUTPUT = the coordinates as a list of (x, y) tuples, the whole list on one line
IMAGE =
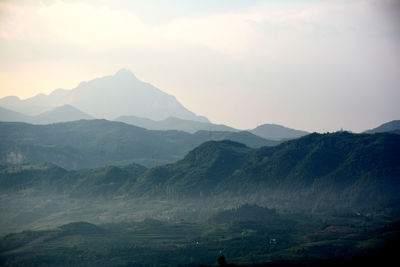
[(199, 133)]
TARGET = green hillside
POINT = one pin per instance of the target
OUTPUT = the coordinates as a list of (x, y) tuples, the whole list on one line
[(329, 171), (320, 172), (323, 199)]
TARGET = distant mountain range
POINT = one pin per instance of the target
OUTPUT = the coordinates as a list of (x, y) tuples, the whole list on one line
[(67, 113), (277, 132), (391, 126), (173, 123), (108, 97), (93, 143), (122, 97), (63, 113), (10, 115)]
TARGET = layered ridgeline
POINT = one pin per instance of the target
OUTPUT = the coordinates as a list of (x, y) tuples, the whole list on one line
[(108, 97), (63, 113), (277, 132), (321, 172), (173, 123), (391, 126), (94, 143)]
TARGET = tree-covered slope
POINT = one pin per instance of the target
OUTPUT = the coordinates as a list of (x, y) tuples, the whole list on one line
[(197, 174), (328, 171), (52, 180), (321, 172)]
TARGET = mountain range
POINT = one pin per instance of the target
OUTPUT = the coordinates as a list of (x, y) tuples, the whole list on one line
[(121, 97), (277, 132), (319, 172), (357, 171), (173, 123), (109, 97), (68, 113), (63, 113), (94, 143), (318, 197), (391, 126)]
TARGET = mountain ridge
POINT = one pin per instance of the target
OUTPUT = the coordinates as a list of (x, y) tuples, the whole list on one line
[(277, 132), (390, 126), (305, 172), (121, 94), (360, 172), (95, 143), (174, 123), (64, 113)]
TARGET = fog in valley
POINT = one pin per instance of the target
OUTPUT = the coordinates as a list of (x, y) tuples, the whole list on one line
[(188, 133)]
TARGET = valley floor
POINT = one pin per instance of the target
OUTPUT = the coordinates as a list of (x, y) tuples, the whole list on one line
[(247, 235)]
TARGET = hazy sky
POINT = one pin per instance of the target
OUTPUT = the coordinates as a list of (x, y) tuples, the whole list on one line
[(312, 65)]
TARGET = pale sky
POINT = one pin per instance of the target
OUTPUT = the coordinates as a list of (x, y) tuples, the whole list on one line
[(310, 65)]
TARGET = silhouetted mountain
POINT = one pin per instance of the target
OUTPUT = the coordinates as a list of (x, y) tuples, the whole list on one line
[(61, 114), (391, 126), (9, 115), (107, 97), (277, 132), (173, 123), (243, 137), (94, 143)]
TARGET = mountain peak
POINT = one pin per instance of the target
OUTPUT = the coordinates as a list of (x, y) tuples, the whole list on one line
[(277, 132), (62, 113), (124, 73), (109, 97)]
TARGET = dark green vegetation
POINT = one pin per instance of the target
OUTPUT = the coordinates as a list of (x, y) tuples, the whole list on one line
[(331, 198), (246, 235), (317, 172), (95, 143)]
